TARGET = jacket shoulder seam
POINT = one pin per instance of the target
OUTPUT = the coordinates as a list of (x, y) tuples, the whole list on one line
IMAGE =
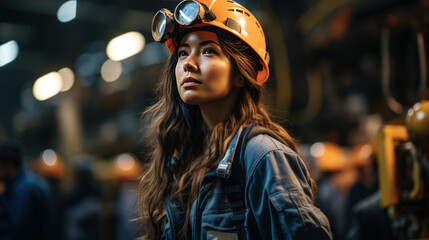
[(250, 166)]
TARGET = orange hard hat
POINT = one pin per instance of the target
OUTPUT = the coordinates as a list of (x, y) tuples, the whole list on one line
[(417, 122), (126, 166), (224, 14), (329, 156), (50, 164)]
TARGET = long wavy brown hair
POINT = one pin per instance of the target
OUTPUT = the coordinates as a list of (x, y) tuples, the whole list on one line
[(173, 125)]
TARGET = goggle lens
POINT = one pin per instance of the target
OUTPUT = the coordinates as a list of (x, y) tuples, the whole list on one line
[(162, 26), (187, 12)]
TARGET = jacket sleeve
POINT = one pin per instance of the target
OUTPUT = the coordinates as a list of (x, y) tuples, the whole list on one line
[(278, 192)]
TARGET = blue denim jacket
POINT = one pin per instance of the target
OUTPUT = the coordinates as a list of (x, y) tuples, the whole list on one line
[(277, 196)]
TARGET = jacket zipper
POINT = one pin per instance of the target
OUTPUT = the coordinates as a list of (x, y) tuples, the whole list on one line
[(197, 228)]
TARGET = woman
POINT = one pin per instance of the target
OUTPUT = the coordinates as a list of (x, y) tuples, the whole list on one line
[(205, 179)]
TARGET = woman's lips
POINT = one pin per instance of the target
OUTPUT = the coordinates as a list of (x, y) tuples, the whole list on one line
[(189, 82)]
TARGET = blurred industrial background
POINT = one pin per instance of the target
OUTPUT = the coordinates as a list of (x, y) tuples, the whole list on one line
[(340, 71)]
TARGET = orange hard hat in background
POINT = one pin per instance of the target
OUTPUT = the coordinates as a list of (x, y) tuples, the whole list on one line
[(223, 14), (329, 156)]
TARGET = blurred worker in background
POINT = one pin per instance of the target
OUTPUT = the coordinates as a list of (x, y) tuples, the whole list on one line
[(367, 219), (127, 171), (82, 214), (51, 166), (334, 184), (362, 158), (26, 210)]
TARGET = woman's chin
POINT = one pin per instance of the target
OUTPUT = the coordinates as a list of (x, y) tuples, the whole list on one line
[(190, 101)]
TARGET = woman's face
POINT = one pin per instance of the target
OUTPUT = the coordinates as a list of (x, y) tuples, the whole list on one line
[(203, 70)]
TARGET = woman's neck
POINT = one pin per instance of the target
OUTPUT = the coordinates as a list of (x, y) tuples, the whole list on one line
[(216, 111)]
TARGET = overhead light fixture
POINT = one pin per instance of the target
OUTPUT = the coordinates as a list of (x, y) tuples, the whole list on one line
[(67, 11), (47, 86), (8, 52), (67, 76), (111, 70), (125, 46)]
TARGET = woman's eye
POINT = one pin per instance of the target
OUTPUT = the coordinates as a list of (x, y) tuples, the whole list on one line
[(182, 53), (209, 51)]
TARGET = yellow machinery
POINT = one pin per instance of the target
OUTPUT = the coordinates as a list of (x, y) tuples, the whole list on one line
[(403, 160)]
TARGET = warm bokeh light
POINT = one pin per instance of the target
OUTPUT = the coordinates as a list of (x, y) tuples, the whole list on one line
[(126, 166), (50, 165), (361, 155), (125, 162), (317, 149), (111, 70), (67, 11), (49, 157), (47, 86), (125, 46), (67, 76), (366, 151), (8, 52)]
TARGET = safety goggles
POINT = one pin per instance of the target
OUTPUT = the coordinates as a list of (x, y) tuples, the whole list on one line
[(186, 14)]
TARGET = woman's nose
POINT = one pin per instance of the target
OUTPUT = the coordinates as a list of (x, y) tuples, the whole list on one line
[(190, 65)]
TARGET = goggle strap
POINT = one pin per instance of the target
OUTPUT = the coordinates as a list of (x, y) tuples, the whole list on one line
[(234, 25), (209, 15)]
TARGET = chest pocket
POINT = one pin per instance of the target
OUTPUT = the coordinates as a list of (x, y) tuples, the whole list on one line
[(218, 225), (215, 235), (216, 217)]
